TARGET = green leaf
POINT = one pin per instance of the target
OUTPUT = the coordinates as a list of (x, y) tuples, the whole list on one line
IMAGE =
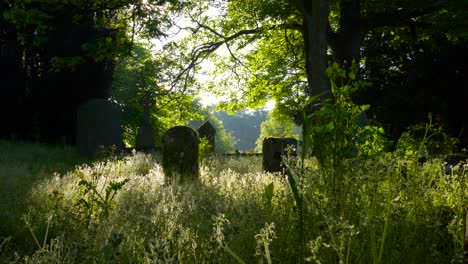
[(268, 194)]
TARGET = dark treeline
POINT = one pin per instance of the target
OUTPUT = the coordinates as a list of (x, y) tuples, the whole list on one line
[(411, 78), (49, 66)]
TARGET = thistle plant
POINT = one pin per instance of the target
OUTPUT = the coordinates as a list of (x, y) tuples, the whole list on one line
[(263, 240), (218, 235)]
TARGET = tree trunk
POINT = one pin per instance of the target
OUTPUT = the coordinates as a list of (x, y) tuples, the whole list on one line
[(346, 42), (14, 123), (315, 19)]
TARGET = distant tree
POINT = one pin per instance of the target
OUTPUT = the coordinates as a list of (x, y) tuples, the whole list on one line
[(244, 126), (277, 125)]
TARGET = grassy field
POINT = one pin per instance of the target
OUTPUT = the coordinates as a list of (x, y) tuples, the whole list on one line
[(58, 208)]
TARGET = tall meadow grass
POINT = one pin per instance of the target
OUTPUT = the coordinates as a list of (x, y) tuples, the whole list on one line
[(56, 208)]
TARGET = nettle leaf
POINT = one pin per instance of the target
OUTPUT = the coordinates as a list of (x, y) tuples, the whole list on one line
[(268, 193)]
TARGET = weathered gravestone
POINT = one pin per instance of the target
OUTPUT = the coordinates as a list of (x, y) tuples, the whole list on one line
[(145, 138), (208, 132), (98, 125), (273, 149), (180, 153)]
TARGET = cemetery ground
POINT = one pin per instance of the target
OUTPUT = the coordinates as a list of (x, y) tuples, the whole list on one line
[(58, 208)]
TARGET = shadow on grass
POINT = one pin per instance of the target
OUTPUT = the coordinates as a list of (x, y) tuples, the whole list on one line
[(22, 166)]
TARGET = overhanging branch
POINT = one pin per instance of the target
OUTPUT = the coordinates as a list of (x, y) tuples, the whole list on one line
[(202, 51)]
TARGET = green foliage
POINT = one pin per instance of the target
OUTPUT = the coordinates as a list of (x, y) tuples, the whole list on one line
[(425, 139), (263, 240), (264, 39), (268, 194), (40, 246), (55, 252), (427, 46), (330, 134), (94, 202), (264, 42), (54, 44), (218, 236), (332, 192), (121, 17), (204, 149), (277, 68), (143, 74), (69, 63), (333, 131)]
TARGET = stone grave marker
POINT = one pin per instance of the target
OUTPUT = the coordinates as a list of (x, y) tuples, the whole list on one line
[(180, 153), (98, 125), (145, 138), (209, 132), (273, 148)]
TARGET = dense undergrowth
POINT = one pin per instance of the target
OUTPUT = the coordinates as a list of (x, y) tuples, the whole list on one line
[(56, 209)]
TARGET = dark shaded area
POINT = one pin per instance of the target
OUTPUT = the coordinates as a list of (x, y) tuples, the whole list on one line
[(412, 78), (49, 68), (23, 166), (98, 126), (274, 149)]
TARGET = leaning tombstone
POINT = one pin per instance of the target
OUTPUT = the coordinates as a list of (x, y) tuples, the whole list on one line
[(180, 153), (273, 149), (98, 125), (208, 132)]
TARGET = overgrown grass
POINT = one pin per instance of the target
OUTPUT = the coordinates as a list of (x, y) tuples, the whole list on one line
[(119, 210)]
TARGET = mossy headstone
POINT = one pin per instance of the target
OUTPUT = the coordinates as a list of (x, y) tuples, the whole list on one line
[(180, 153), (273, 149), (208, 132), (98, 125)]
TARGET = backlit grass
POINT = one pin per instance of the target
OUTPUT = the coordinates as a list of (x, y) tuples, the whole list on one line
[(235, 213)]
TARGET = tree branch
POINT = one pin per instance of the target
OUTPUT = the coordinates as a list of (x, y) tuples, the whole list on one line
[(200, 52)]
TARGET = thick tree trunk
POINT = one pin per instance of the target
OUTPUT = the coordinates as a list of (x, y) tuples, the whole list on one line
[(315, 20), (346, 42), (13, 101)]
